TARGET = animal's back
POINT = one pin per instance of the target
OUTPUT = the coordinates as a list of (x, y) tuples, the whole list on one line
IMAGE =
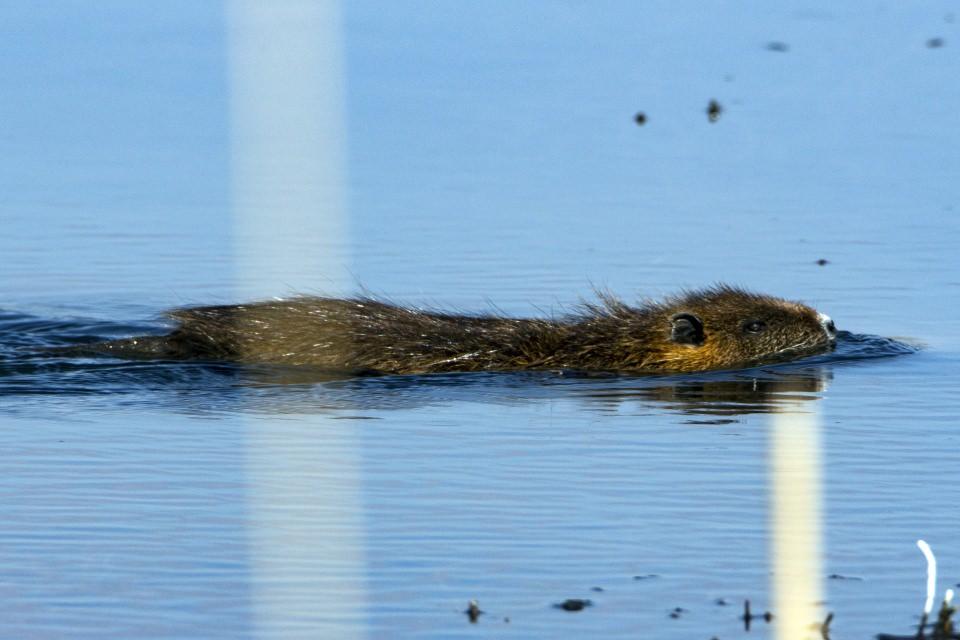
[(351, 334)]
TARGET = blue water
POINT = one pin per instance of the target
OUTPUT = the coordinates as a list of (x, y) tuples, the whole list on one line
[(491, 160)]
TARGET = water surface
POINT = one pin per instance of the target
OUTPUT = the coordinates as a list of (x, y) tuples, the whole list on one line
[(491, 160)]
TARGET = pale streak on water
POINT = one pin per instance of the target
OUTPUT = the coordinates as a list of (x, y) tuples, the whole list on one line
[(796, 523), (287, 154)]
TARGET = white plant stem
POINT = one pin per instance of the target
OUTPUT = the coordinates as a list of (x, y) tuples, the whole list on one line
[(931, 575)]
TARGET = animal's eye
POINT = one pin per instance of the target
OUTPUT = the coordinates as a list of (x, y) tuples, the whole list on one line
[(755, 326)]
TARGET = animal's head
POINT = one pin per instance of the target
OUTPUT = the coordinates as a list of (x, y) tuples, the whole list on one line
[(725, 328)]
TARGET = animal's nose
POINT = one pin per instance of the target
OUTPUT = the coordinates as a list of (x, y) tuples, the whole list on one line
[(827, 323)]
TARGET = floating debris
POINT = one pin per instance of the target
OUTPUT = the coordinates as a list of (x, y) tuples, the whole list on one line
[(649, 576), (944, 626), (573, 604), (748, 617), (677, 612), (779, 47), (825, 627), (935, 43), (942, 629), (640, 118), (713, 111), (473, 611), (823, 262)]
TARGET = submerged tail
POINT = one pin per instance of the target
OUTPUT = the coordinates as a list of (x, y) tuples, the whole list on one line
[(140, 347)]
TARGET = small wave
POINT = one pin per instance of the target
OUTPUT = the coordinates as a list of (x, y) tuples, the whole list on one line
[(20, 331), (855, 346)]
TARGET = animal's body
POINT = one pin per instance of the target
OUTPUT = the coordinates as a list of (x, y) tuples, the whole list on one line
[(716, 328)]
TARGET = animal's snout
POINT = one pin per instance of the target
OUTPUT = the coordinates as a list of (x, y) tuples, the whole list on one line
[(827, 323)]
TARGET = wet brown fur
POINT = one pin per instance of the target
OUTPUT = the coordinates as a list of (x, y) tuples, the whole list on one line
[(369, 335)]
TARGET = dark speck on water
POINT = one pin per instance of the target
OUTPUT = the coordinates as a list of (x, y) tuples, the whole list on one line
[(935, 43), (825, 627), (473, 611), (714, 109), (712, 422), (640, 118), (779, 47), (823, 262), (574, 604)]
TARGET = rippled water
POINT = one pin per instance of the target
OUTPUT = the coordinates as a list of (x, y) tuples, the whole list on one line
[(492, 160)]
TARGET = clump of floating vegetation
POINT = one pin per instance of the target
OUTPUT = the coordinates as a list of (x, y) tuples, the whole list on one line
[(942, 627)]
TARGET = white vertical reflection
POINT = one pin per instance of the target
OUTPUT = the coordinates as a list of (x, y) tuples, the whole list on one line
[(303, 475), (288, 145), (796, 517)]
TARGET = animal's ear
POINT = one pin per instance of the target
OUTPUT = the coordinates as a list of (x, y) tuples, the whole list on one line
[(686, 328)]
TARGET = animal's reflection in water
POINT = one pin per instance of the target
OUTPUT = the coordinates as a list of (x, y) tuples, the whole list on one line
[(717, 394), (762, 393)]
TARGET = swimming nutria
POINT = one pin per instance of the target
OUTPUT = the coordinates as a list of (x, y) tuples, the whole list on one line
[(716, 328)]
